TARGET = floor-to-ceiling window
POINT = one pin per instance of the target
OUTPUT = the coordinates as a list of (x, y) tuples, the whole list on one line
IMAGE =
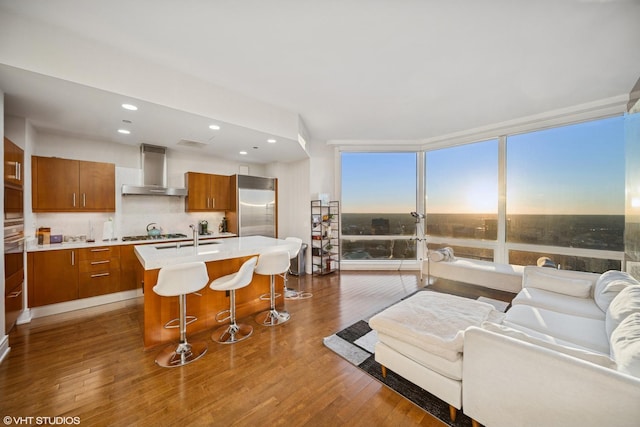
[(462, 198), (378, 193), (557, 192), (565, 195)]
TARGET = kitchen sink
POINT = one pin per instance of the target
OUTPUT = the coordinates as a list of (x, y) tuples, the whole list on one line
[(186, 245)]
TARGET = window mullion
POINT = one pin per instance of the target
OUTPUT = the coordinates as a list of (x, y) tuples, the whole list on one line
[(501, 254)]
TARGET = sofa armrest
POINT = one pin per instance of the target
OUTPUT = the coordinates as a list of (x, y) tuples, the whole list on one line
[(507, 382), (577, 284)]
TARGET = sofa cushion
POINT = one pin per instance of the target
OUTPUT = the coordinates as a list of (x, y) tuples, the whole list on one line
[(589, 356), (549, 338), (625, 303), (583, 331), (609, 284), (625, 345), (585, 307), (562, 282), (449, 368)]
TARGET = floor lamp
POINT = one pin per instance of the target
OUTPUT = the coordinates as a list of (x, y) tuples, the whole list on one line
[(421, 239)]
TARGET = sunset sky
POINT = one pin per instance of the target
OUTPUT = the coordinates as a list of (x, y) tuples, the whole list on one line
[(576, 169)]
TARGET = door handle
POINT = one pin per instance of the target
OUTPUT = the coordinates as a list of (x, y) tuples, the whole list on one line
[(15, 294)]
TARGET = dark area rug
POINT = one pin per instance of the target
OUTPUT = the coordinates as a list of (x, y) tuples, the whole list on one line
[(355, 343)]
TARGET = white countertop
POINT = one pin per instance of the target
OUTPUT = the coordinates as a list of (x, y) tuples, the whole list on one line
[(32, 245), (162, 254)]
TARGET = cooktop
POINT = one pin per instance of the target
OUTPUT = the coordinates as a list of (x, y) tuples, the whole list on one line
[(159, 237)]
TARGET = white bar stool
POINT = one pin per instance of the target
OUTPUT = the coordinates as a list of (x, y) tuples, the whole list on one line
[(180, 280), (272, 263), (232, 333)]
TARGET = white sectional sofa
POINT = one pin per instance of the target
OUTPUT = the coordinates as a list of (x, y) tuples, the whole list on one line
[(567, 354)]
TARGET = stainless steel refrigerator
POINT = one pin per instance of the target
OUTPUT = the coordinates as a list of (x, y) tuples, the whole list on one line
[(257, 206)]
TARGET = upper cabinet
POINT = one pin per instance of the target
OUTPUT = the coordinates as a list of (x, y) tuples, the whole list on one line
[(62, 185), (207, 192), (13, 163)]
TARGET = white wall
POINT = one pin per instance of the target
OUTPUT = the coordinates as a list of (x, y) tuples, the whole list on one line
[(293, 199), (322, 170)]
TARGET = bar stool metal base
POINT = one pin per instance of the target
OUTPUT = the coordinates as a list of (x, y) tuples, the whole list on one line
[(230, 334), (291, 294), (185, 353), (272, 317)]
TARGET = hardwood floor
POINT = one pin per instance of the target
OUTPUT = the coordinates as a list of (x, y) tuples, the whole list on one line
[(91, 364)]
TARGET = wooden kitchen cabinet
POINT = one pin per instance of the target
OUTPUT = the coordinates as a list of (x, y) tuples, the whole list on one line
[(97, 186), (13, 164), (129, 265), (99, 271), (67, 274), (207, 192), (63, 185), (12, 306), (52, 276)]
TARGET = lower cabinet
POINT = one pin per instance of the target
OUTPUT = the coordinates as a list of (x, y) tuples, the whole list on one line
[(68, 274), (12, 306), (129, 265), (99, 271), (53, 276)]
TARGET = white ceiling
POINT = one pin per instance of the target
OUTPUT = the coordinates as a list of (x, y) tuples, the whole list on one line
[(352, 70), (66, 108)]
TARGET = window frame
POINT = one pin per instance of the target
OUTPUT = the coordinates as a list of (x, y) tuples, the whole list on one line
[(500, 246)]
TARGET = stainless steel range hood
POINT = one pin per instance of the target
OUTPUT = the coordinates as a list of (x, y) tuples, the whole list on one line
[(154, 174)]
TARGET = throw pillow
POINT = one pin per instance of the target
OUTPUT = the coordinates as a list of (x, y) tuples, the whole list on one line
[(624, 304), (580, 288), (625, 345), (609, 284), (596, 358)]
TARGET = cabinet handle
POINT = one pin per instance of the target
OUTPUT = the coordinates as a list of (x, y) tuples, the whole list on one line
[(18, 171), (73, 258), (74, 200), (15, 294), (84, 200), (213, 202), (100, 262), (208, 201), (93, 276), (100, 250)]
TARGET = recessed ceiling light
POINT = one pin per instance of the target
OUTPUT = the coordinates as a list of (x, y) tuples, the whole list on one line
[(214, 127), (124, 131), (271, 141), (244, 153), (129, 107)]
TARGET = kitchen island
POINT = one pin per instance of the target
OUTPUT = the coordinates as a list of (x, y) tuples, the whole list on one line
[(222, 257)]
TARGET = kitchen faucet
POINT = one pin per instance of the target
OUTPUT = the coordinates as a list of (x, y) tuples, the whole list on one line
[(195, 235)]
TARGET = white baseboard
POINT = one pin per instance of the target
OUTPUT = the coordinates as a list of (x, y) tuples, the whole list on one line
[(25, 317), (4, 348), (64, 307)]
